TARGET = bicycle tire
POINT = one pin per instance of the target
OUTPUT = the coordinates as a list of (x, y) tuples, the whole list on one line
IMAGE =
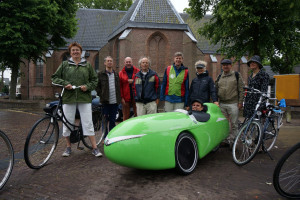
[(41, 142), (244, 149), (287, 173), (6, 159), (270, 135), (99, 133)]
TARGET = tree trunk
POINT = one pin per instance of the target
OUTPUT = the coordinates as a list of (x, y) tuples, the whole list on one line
[(13, 82)]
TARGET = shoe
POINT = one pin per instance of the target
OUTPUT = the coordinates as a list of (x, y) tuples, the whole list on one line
[(67, 152), (96, 152)]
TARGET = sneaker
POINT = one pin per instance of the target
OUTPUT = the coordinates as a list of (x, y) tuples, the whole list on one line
[(67, 152), (96, 152)]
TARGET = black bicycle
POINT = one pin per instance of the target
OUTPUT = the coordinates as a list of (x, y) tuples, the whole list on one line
[(6, 159), (43, 137), (286, 176), (261, 130)]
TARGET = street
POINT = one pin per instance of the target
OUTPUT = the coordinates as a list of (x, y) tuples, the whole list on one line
[(83, 176)]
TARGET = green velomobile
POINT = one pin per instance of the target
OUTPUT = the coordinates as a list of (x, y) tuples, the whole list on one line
[(167, 140)]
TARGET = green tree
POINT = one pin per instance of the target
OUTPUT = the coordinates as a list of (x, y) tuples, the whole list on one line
[(105, 4), (29, 28), (267, 28)]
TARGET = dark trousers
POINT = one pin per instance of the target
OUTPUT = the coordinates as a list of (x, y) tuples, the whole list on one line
[(110, 112)]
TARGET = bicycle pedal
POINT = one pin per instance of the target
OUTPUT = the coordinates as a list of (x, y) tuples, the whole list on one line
[(80, 148)]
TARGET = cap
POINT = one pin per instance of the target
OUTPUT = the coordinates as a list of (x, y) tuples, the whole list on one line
[(200, 66), (197, 100), (226, 61)]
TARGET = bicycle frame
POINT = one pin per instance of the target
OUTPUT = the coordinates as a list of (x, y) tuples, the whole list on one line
[(256, 115)]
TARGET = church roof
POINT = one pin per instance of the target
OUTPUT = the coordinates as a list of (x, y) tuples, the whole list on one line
[(94, 26), (97, 26), (159, 14)]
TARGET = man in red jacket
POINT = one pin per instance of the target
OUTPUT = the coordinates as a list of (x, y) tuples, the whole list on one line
[(126, 76)]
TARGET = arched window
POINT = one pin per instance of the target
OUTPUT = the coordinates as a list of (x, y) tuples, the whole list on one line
[(157, 48), (97, 63), (39, 67)]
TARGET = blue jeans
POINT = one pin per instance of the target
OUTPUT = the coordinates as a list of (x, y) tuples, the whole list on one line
[(110, 112)]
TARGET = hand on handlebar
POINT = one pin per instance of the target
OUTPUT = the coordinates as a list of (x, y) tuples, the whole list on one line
[(69, 87), (83, 88), (73, 87)]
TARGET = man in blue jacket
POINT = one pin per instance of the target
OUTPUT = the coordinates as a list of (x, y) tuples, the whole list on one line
[(146, 88)]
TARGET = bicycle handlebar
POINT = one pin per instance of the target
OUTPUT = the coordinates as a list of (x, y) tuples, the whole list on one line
[(73, 86)]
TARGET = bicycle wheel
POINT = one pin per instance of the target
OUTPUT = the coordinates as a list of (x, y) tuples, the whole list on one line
[(41, 142), (99, 133), (286, 177), (6, 159), (270, 134), (247, 143)]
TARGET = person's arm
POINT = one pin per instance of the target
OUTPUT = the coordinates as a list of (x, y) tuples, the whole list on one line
[(264, 82), (163, 87), (93, 79), (186, 95), (212, 90), (191, 92), (241, 90), (121, 88), (57, 77), (157, 88)]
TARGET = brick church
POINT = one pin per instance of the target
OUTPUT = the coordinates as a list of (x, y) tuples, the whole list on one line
[(152, 28)]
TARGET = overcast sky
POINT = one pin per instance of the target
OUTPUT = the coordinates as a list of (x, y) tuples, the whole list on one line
[(180, 5)]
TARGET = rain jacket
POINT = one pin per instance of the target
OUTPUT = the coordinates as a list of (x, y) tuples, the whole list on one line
[(82, 74)]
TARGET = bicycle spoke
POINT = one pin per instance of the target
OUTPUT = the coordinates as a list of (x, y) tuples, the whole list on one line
[(286, 175), (246, 143), (40, 143)]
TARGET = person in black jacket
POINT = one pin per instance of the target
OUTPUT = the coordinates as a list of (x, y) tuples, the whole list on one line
[(108, 90), (202, 87), (146, 88), (258, 79)]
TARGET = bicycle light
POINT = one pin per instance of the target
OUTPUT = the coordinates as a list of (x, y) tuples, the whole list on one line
[(56, 95)]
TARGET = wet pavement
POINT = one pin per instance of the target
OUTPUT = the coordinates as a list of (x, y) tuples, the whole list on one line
[(82, 176)]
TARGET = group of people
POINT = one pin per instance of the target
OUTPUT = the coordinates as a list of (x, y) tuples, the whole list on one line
[(140, 88)]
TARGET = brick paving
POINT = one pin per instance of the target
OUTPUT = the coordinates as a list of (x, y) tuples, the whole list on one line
[(82, 176)]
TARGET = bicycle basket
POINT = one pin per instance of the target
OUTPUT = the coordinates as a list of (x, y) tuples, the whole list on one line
[(74, 136)]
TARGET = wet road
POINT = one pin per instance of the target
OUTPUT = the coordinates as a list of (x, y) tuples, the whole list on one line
[(82, 176)]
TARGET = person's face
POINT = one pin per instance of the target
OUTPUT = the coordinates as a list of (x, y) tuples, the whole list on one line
[(145, 64), (75, 53), (200, 70), (128, 62), (197, 106), (178, 60), (108, 63), (254, 66), (226, 67)]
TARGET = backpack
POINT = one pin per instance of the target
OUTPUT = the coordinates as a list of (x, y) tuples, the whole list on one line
[(237, 80), (236, 76)]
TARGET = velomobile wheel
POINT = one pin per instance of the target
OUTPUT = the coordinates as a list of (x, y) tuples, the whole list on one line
[(186, 153)]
